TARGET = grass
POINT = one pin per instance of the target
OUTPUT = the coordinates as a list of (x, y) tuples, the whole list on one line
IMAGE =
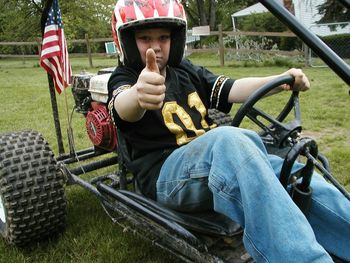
[(90, 235)]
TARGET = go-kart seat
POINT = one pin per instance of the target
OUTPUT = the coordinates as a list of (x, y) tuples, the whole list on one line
[(208, 222)]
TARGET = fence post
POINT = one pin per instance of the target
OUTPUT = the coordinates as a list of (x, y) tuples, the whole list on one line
[(307, 55), (88, 48), (39, 46), (221, 47), (23, 53)]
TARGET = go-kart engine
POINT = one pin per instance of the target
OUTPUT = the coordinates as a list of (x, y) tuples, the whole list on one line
[(100, 128), (90, 94)]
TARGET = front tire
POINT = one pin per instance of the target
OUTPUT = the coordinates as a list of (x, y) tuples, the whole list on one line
[(32, 200)]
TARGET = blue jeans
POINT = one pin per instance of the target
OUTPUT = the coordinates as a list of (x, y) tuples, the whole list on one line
[(228, 169)]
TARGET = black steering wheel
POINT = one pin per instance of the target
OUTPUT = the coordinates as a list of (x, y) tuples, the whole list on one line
[(276, 132)]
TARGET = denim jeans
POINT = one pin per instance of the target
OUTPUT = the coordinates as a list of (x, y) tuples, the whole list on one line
[(228, 169)]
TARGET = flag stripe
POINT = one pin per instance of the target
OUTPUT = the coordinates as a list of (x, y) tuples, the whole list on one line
[(49, 39), (55, 70), (58, 85), (52, 28), (48, 51)]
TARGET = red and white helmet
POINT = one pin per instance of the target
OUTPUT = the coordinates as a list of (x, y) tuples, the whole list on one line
[(131, 14)]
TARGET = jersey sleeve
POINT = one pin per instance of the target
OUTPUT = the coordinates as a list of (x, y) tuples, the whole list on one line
[(217, 88), (120, 80)]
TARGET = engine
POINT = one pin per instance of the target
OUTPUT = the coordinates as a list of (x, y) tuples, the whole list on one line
[(90, 95)]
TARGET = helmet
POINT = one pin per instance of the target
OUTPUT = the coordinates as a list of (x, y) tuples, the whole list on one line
[(129, 15)]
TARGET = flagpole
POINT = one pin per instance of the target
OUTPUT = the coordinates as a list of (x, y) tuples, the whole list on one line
[(69, 128), (52, 89)]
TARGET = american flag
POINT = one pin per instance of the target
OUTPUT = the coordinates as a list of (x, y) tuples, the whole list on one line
[(54, 54)]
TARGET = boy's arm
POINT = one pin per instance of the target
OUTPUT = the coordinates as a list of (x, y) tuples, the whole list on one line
[(242, 88), (147, 94), (127, 106)]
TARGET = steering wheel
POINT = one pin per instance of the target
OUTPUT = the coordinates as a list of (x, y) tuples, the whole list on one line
[(276, 132), (279, 134)]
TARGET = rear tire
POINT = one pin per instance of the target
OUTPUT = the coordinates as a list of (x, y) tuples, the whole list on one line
[(32, 200), (220, 118)]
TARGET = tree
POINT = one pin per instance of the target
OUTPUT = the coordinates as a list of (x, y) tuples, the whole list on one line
[(91, 17), (268, 23), (333, 11), (196, 12), (226, 8), (20, 19), (213, 12), (212, 15), (201, 13)]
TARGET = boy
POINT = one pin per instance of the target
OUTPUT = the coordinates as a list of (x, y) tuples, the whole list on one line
[(159, 103)]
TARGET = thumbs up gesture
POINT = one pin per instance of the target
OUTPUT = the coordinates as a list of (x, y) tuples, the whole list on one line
[(151, 61), (150, 85)]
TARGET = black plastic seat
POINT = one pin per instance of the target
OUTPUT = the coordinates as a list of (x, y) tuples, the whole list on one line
[(208, 222)]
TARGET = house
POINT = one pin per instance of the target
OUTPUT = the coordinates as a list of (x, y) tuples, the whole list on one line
[(305, 11)]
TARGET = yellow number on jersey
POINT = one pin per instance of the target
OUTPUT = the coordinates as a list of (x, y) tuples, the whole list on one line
[(171, 108)]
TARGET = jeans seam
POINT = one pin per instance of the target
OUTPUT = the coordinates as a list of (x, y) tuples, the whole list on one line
[(221, 192), (254, 247), (235, 171), (331, 210), (224, 195)]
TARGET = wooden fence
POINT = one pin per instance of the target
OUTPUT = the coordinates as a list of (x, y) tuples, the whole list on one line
[(87, 41), (220, 49)]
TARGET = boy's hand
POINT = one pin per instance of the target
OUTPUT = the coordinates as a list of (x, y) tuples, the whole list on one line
[(301, 82), (150, 85)]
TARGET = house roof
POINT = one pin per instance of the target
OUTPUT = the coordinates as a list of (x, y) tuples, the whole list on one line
[(253, 9), (305, 11)]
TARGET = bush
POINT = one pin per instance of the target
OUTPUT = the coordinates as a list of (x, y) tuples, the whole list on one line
[(266, 22)]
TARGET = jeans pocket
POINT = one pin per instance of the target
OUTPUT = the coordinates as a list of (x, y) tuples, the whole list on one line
[(188, 195)]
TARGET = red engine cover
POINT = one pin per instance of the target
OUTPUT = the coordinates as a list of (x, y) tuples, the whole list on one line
[(100, 128)]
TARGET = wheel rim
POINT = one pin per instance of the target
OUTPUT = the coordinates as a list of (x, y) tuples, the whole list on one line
[(2, 211)]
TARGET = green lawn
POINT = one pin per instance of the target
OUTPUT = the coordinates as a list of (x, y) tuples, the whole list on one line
[(90, 235)]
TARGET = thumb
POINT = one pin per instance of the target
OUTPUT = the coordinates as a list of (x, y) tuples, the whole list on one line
[(151, 61)]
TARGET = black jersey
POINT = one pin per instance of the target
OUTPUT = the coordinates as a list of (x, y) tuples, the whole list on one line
[(190, 91)]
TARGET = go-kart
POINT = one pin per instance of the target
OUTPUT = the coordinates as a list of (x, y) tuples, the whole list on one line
[(32, 200)]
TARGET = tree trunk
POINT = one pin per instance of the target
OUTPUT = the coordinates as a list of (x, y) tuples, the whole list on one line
[(289, 5), (192, 18), (201, 11), (212, 15)]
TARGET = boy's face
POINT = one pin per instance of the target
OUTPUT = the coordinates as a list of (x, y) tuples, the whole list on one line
[(156, 38)]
